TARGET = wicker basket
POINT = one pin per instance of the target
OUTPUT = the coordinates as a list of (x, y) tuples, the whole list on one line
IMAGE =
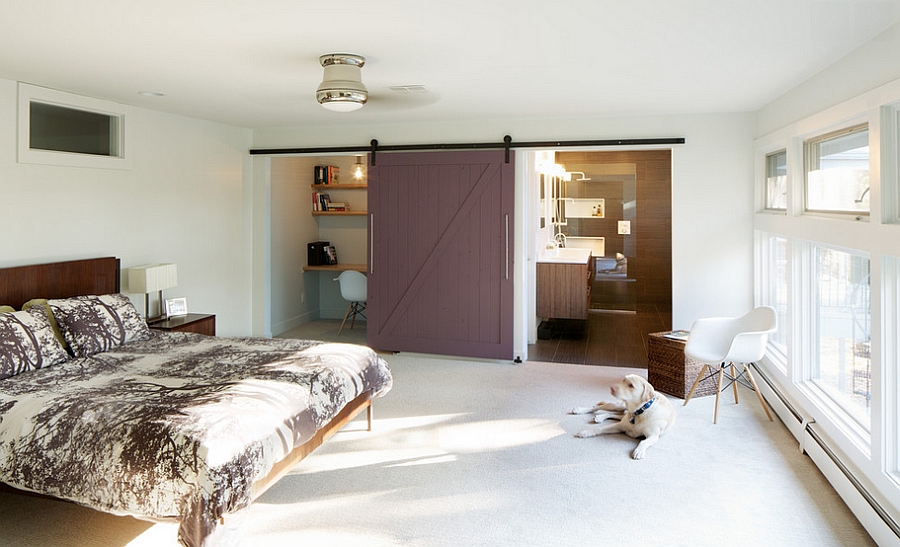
[(671, 372)]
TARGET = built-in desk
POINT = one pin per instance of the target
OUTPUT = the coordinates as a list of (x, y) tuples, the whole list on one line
[(336, 268)]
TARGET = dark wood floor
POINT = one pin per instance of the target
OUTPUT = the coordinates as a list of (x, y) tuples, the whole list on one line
[(605, 338)]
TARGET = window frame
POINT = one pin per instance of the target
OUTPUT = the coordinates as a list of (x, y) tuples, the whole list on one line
[(765, 182), (808, 163), (28, 94), (811, 249)]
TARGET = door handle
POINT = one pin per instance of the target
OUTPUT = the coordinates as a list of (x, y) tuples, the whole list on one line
[(371, 243), (507, 246)]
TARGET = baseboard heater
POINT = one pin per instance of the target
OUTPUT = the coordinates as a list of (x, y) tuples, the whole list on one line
[(808, 428)]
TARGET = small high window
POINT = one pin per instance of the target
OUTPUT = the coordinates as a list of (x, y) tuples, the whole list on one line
[(65, 129), (57, 128), (837, 172)]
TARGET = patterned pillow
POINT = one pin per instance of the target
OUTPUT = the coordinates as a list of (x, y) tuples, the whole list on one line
[(27, 342), (42, 302), (92, 324)]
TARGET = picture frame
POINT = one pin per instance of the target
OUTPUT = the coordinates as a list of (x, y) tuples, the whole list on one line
[(176, 307), (331, 255)]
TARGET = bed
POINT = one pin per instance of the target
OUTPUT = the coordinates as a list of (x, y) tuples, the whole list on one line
[(161, 426)]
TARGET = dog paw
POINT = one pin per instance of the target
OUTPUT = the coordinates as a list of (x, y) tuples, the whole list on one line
[(581, 410), (639, 453), (584, 434)]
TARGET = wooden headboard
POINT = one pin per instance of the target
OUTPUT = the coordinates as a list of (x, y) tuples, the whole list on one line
[(59, 280)]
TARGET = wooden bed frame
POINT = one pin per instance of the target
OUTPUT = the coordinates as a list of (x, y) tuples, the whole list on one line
[(102, 276)]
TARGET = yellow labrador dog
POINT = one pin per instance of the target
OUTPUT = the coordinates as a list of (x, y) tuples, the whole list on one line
[(642, 412)]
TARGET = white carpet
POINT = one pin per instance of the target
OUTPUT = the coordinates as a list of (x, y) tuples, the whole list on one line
[(482, 453)]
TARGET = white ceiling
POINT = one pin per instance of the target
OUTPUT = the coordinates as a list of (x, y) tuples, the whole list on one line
[(254, 63)]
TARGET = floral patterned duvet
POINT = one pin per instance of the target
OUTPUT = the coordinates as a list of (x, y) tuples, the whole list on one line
[(178, 426)]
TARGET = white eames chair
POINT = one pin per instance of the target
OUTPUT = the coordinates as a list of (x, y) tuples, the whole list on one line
[(353, 289), (724, 341)]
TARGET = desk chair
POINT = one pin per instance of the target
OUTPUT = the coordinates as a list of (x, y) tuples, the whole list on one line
[(353, 289)]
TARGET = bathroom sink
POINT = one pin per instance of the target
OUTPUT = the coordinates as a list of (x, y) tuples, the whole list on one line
[(565, 255)]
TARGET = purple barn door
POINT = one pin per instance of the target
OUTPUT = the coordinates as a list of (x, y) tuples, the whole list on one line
[(440, 274)]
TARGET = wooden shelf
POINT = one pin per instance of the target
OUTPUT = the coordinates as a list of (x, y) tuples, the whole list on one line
[(336, 268), (360, 186), (338, 213)]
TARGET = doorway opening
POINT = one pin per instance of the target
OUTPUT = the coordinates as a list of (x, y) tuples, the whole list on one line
[(618, 204)]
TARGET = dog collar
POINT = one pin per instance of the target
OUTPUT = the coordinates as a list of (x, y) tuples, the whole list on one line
[(643, 408)]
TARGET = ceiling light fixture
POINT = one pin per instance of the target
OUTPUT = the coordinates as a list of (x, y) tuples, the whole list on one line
[(342, 89)]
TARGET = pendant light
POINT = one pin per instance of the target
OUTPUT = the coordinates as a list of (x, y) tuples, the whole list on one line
[(358, 169)]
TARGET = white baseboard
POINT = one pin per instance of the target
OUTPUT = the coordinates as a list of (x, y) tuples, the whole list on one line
[(292, 323), (883, 527)]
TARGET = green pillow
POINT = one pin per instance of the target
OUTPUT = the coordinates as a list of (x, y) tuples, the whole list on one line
[(7, 309), (56, 331)]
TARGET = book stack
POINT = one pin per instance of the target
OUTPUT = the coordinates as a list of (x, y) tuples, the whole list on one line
[(321, 201), (326, 174)]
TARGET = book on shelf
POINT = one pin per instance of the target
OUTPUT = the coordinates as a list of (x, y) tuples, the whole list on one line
[(338, 206), (677, 335), (321, 201), (330, 255), (326, 174)]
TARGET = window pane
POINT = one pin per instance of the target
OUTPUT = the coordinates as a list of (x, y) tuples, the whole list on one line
[(776, 180), (775, 286), (842, 315), (837, 172), (71, 130)]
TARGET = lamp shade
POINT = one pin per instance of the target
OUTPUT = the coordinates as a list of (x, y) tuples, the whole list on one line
[(156, 277), (342, 89)]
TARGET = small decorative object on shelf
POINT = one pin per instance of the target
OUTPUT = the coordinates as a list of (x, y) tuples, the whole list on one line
[(330, 255), (176, 307)]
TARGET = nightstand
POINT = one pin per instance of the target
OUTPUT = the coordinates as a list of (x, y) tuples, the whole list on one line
[(193, 322)]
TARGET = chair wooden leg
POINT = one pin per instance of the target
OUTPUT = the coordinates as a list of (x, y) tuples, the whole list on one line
[(756, 389), (354, 307), (734, 384), (718, 391), (696, 383), (345, 319)]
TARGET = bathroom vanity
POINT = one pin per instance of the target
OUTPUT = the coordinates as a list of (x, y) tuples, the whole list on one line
[(564, 283)]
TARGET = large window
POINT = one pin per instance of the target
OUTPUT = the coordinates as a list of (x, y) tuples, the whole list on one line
[(776, 181), (841, 312), (837, 172)]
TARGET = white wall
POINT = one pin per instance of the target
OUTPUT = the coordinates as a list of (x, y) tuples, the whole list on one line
[(712, 197), (185, 200), (869, 66)]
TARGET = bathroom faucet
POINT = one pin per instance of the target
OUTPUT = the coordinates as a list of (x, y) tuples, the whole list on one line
[(560, 239)]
